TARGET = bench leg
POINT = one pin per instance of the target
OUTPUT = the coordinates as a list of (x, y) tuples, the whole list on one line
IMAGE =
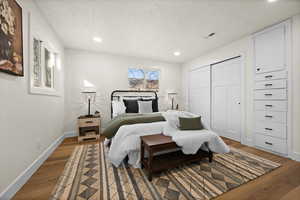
[(150, 164), (210, 156), (149, 176), (142, 155)]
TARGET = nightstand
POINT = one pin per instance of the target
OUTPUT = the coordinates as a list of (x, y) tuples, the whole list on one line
[(88, 128)]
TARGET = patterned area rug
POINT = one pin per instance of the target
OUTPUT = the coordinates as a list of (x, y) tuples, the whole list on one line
[(88, 175)]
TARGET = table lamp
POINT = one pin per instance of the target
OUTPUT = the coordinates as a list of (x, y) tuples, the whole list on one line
[(172, 94), (90, 97)]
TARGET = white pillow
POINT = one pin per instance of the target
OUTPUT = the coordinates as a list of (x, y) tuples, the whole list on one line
[(118, 108), (145, 107), (172, 117)]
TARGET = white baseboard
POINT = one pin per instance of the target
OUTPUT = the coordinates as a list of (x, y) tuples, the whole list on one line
[(296, 156), (247, 142), (70, 134), (16, 185)]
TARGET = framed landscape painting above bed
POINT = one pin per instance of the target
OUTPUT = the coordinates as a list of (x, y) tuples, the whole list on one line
[(11, 38), (143, 78)]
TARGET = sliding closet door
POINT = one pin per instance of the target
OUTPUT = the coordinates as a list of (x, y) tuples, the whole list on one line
[(226, 98), (199, 94)]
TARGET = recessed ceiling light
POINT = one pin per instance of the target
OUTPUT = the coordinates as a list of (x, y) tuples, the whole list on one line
[(97, 39), (271, 1), (177, 53)]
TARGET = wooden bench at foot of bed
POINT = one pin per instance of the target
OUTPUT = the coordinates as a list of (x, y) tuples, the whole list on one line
[(158, 160)]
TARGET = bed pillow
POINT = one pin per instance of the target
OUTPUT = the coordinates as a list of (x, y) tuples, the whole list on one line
[(131, 105), (118, 108), (172, 117), (190, 123), (145, 106), (154, 103)]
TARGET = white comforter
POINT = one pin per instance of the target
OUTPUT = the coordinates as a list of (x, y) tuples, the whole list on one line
[(127, 141)]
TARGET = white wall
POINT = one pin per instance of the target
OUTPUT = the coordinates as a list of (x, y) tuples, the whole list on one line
[(107, 72), (244, 47), (29, 124)]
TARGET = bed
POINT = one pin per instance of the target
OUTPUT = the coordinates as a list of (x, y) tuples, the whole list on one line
[(125, 129)]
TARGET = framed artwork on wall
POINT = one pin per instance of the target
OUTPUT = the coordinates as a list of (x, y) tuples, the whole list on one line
[(44, 65), (11, 38), (143, 78)]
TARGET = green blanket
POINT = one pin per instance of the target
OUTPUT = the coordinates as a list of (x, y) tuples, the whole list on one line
[(128, 119)]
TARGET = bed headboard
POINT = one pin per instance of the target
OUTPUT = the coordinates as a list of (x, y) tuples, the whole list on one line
[(118, 94)]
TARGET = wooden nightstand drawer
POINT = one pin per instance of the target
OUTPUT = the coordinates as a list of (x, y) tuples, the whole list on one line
[(88, 127), (89, 122)]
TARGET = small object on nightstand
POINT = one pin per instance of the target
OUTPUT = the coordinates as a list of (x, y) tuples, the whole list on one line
[(88, 128)]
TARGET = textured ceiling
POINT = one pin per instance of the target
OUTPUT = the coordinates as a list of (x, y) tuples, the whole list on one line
[(156, 28)]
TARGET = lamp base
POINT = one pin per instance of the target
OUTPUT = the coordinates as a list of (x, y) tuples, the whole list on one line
[(88, 115)]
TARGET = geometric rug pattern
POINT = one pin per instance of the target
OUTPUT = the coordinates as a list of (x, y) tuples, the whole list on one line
[(89, 175)]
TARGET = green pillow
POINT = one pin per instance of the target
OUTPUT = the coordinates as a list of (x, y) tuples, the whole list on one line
[(190, 123)]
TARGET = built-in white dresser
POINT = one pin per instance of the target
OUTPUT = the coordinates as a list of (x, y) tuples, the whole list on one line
[(271, 89)]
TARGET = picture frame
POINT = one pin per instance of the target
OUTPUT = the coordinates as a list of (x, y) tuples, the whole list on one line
[(143, 79), (11, 38), (44, 65)]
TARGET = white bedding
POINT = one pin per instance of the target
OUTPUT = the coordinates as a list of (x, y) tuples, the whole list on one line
[(127, 141)]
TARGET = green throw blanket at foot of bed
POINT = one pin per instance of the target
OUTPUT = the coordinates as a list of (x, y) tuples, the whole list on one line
[(128, 119)]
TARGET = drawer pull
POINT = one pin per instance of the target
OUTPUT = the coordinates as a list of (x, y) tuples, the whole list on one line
[(269, 129), (268, 84), (268, 143), (89, 122), (267, 105), (268, 116), (268, 94), (269, 76)]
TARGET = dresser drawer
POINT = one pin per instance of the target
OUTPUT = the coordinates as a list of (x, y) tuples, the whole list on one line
[(276, 94), (274, 84), (271, 129), (271, 76), (271, 116), (271, 143), (89, 122), (271, 105)]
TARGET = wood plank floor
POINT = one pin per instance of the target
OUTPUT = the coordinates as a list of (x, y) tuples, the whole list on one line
[(281, 184)]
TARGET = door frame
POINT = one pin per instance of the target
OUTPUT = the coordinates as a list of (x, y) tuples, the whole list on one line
[(243, 137)]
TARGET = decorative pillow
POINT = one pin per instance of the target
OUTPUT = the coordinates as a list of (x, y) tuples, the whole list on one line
[(118, 108), (131, 105), (190, 123), (172, 117), (154, 103), (145, 107)]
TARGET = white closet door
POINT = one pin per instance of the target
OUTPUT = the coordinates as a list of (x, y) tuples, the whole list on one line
[(270, 50), (226, 98), (199, 94)]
